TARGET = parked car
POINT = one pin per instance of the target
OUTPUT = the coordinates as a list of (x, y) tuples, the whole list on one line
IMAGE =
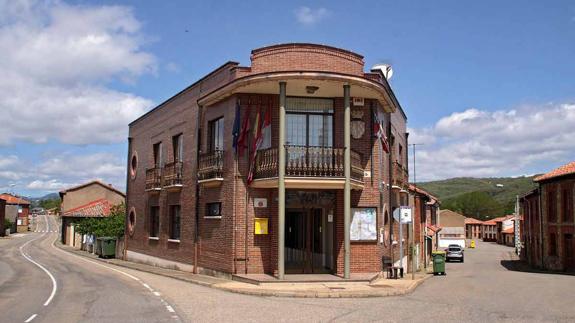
[(454, 252)]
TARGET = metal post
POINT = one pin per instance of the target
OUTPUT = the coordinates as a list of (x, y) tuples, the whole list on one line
[(347, 186), (281, 181)]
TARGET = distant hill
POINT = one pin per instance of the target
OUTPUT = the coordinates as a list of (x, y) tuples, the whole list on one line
[(483, 198), (36, 201)]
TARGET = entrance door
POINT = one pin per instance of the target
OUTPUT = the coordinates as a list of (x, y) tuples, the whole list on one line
[(305, 244)]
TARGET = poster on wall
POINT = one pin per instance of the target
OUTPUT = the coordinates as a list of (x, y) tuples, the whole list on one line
[(363, 224)]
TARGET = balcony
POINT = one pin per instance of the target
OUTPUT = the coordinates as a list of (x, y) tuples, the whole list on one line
[(154, 179), (173, 175), (400, 175), (210, 169), (308, 167)]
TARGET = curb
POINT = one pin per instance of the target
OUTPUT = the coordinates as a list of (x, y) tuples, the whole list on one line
[(266, 293)]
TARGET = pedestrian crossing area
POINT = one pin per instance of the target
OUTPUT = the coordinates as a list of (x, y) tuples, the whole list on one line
[(47, 231)]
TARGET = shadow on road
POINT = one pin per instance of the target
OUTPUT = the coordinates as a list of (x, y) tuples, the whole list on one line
[(519, 265)]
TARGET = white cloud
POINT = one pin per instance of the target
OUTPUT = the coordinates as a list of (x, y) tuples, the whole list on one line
[(66, 170), (501, 143), (56, 61), (50, 185), (308, 16)]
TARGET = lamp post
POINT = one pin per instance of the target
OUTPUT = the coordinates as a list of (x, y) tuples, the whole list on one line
[(413, 216)]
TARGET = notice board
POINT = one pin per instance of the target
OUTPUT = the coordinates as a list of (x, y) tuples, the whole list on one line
[(363, 224)]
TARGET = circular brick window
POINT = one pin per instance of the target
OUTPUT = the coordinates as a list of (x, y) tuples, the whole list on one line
[(131, 220), (134, 165)]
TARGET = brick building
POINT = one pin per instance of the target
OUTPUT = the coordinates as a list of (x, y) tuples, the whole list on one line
[(17, 210), (452, 229), (549, 221), (2, 216), (425, 207), (473, 228), (93, 199), (309, 201)]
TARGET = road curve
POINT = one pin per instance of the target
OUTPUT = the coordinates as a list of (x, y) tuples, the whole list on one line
[(41, 283)]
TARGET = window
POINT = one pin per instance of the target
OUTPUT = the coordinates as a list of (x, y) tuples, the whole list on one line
[(214, 210), (309, 122), (175, 222), (154, 222), (133, 164), (216, 136), (177, 146), (551, 206), (131, 221), (552, 244), (567, 201), (158, 157), (400, 154)]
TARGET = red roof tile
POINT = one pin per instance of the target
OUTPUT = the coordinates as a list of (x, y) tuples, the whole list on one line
[(557, 172), (472, 221), (11, 199), (508, 231), (98, 208)]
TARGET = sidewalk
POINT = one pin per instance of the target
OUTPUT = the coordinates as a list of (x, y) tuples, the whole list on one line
[(379, 288)]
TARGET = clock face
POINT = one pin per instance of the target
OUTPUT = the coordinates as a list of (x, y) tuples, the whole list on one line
[(357, 129)]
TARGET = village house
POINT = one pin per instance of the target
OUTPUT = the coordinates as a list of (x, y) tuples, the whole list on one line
[(452, 229), (504, 226), (473, 228), (291, 165), (92, 199), (425, 208), (549, 221), (17, 210), (489, 231), (2, 216)]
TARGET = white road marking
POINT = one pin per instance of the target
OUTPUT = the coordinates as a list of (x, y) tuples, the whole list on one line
[(31, 318), (54, 283), (168, 307), (156, 293)]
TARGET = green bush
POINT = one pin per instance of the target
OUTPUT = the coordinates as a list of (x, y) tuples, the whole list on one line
[(110, 226), (7, 224)]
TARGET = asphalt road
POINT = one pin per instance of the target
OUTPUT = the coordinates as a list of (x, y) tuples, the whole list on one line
[(482, 289), (40, 283)]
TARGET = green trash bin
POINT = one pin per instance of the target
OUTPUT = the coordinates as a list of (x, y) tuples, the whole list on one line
[(438, 262), (107, 247)]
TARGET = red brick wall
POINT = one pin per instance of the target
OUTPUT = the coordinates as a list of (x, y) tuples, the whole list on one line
[(222, 243), (306, 57)]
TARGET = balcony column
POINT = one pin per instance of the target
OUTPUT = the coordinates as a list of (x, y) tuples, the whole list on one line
[(281, 181), (347, 186)]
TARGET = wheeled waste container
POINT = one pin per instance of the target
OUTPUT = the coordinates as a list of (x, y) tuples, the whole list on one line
[(438, 262), (107, 247)]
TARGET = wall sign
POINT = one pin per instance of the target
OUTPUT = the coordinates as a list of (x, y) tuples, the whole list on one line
[(358, 102), (363, 224), (260, 202)]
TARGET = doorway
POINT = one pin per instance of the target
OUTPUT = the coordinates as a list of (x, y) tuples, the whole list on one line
[(309, 242), (569, 251)]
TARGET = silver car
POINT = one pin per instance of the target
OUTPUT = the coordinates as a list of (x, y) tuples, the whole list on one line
[(454, 252)]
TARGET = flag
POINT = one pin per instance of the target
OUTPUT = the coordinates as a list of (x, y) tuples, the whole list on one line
[(267, 129), (244, 133), (257, 135), (236, 130), (379, 132)]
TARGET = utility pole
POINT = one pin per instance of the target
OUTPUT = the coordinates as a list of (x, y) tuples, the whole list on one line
[(413, 217)]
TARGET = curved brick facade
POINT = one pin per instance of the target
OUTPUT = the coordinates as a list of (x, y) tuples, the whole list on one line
[(306, 57)]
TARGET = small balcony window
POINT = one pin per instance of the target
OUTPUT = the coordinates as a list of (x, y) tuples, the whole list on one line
[(214, 210)]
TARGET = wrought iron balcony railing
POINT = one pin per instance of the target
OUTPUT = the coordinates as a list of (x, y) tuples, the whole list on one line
[(400, 175), (173, 173), (154, 178), (308, 161), (211, 165)]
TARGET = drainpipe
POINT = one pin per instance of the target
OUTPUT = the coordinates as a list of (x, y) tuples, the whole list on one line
[(197, 197), (127, 212), (390, 193), (347, 186), (281, 181)]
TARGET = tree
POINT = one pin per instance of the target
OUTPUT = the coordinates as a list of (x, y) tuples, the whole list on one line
[(110, 226), (479, 205)]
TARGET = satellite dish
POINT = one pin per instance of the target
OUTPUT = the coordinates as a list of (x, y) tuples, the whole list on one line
[(385, 69)]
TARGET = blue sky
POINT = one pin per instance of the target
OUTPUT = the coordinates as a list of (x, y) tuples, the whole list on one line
[(487, 85)]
